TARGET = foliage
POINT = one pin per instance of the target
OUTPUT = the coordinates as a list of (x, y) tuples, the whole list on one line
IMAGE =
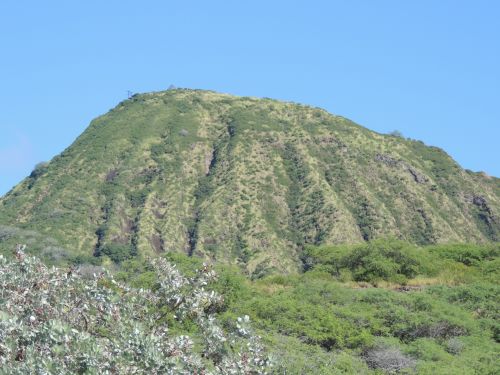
[(388, 359), (253, 185), (396, 133), (39, 170), (446, 308), (373, 261), (444, 320), (117, 252), (244, 181), (468, 254), (54, 321), (442, 317)]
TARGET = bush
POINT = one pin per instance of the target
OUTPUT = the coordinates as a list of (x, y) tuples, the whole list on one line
[(383, 260), (117, 252), (396, 133), (86, 259), (39, 170), (468, 254), (7, 232), (55, 321), (54, 254), (454, 346), (388, 359), (394, 261), (90, 271)]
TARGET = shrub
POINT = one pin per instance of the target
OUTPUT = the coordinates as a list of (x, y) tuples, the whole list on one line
[(428, 350), (396, 133), (55, 321), (117, 252), (389, 359), (54, 254), (468, 254), (39, 169), (442, 330), (386, 260), (371, 262), (89, 271), (86, 259), (7, 232), (327, 258), (454, 346)]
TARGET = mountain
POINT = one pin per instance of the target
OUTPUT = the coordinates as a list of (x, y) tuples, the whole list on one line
[(245, 180)]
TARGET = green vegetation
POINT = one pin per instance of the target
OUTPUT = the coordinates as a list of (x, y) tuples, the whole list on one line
[(381, 307), (244, 181), (394, 261), (55, 321), (292, 206)]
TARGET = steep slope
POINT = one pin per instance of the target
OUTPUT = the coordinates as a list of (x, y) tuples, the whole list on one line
[(247, 180)]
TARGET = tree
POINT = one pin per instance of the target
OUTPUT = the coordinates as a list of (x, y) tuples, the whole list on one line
[(396, 133), (39, 169)]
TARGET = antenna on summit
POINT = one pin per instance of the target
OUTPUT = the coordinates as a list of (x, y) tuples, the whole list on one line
[(129, 94)]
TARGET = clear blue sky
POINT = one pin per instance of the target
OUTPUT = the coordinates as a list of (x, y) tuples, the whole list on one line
[(428, 68)]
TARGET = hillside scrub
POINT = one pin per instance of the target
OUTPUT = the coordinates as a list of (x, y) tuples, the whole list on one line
[(399, 262), (423, 313)]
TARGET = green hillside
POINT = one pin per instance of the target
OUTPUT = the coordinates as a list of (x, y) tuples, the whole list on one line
[(350, 252), (242, 180)]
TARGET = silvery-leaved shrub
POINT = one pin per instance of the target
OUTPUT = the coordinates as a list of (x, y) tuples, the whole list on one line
[(55, 321)]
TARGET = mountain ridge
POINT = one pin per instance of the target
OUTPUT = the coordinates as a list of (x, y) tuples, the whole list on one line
[(245, 180)]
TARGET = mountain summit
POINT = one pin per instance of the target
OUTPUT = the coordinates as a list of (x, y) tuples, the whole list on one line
[(246, 180)]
